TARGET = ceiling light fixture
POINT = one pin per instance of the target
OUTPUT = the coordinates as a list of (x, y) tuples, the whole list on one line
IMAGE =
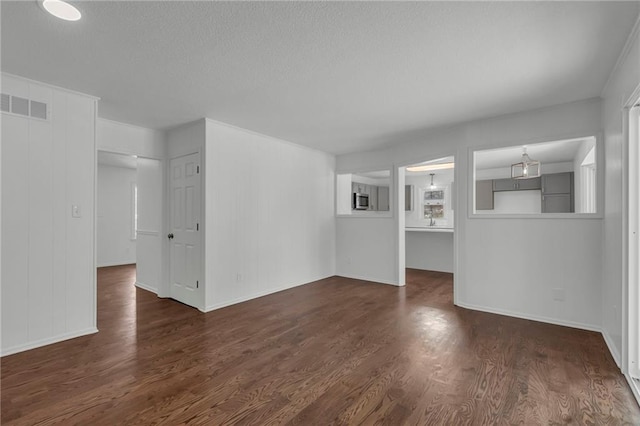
[(525, 169), (61, 9), (428, 167), (432, 184)]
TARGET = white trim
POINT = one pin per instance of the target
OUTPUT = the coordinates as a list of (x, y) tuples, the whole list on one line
[(146, 287), (631, 238), (612, 348), (48, 341), (257, 295), (369, 279), (554, 321), (623, 55)]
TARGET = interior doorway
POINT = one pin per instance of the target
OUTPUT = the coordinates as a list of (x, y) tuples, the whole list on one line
[(130, 216), (426, 218), (116, 209)]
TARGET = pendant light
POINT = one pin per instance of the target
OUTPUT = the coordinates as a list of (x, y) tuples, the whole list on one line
[(526, 168), (432, 185)]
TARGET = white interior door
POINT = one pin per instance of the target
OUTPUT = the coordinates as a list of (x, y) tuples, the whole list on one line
[(184, 232), (149, 235)]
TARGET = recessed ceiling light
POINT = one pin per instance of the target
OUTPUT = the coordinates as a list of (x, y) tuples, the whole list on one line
[(61, 9), (429, 167)]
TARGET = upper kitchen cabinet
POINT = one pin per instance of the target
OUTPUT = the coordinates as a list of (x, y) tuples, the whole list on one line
[(516, 184), (544, 178), (484, 194), (557, 193), (557, 183)]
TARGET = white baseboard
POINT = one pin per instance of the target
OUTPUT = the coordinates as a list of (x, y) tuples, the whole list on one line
[(635, 387), (372, 280), (226, 303), (555, 321), (612, 348), (47, 341), (146, 287)]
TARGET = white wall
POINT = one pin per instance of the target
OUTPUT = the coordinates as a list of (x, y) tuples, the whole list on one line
[(622, 83), (123, 138), (48, 256), (269, 215), (115, 245), (559, 253), (431, 251)]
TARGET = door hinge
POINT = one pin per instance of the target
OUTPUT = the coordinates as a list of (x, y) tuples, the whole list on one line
[(197, 226), (197, 284), (197, 169)]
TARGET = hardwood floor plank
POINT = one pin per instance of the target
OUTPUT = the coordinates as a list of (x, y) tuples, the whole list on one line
[(338, 351)]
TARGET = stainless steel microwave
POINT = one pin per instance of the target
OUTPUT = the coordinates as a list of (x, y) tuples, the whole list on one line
[(360, 201)]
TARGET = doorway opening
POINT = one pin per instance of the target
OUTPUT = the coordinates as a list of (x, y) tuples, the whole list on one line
[(129, 225), (117, 194), (426, 220)]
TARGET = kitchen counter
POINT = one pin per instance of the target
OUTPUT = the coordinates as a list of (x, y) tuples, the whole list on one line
[(430, 229)]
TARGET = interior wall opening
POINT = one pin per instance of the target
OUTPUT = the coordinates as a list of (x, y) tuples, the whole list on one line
[(428, 217)]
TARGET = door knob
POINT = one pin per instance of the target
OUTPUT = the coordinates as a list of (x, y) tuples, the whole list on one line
[(170, 236)]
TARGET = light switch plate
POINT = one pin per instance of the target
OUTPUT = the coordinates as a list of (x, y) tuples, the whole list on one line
[(75, 211)]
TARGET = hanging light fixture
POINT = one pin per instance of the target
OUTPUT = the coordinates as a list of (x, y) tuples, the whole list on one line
[(432, 185), (526, 168)]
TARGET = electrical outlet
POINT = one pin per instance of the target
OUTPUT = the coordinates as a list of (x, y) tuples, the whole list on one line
[(558, 294), (76, 211)]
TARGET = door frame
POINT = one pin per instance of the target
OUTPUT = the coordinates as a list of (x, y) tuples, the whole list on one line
[(164, 289), (631, 241)]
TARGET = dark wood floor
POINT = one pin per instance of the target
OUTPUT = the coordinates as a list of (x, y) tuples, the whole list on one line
[(337, 351)]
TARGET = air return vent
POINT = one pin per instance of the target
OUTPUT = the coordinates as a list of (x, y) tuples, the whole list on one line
[(19, 105), (39, 110), (5, 102), (22, 106)]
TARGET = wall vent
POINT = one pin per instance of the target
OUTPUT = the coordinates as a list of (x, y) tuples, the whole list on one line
[(39, 110), (22, 106), (5, 102), (19, 105)]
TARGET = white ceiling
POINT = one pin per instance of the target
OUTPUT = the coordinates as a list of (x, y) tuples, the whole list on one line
[(548, 152), (337, 76)]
